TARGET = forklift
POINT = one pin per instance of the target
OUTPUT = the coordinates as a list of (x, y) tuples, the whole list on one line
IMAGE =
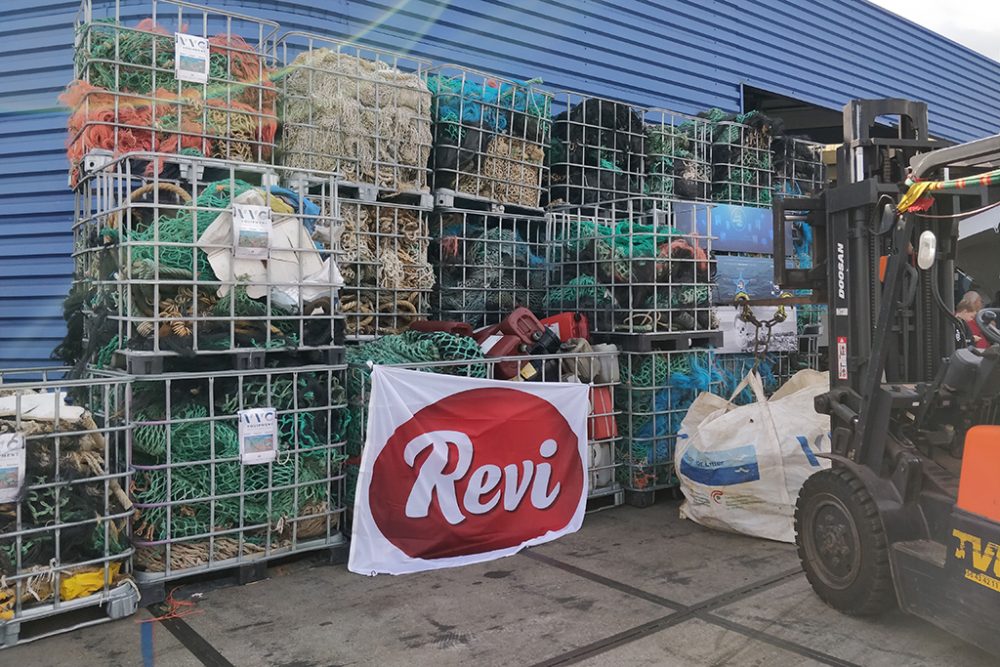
[(909, 512)]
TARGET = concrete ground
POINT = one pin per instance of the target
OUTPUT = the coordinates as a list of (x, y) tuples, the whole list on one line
[(633, 587)]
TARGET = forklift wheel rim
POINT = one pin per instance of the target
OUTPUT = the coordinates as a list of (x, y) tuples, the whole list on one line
[(833, 542)]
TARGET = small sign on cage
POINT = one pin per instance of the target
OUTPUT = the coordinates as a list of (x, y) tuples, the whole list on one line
[(12, 455), (251, 231), (258, 435), (190, 58)]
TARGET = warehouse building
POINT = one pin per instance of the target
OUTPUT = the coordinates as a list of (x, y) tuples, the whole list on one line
[(800, 61)]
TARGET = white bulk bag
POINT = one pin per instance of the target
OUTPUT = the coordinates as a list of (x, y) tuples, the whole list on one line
[(741, 467)]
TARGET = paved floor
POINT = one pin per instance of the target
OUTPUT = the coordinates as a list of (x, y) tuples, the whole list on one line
[(633, 587)]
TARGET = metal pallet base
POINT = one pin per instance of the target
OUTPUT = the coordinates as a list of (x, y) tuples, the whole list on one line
[(153, 585), (47, 620), (369, 193), (136, 362), (665, 340), (452, 199), (606, 498)]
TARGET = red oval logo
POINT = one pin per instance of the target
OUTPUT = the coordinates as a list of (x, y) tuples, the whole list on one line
[(477, 471)]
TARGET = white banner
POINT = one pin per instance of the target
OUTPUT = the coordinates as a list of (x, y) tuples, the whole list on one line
[(457, 470)]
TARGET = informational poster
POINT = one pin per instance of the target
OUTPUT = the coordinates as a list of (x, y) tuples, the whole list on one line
[(459, 470), (191, 55), (251, 231), (12, 458), (739, 335), (258, 435)]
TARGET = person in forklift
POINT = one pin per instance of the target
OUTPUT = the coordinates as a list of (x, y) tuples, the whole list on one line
[(966, 310)]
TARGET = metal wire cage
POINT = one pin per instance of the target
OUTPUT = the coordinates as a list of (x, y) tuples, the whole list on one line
[(486, 265), (678, 156), (362, 112), (490, 136), (206, 257), (631, 270), (598, 151), (742, 164), (135, 87), (387, 277), (598, 369), (799, 169), (64, 537), (198, 506), (656, 391)]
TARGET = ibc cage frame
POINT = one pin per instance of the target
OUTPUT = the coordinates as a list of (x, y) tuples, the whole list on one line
[(146, 295), (596, 365), (127, 96), (678, 156), (487, 264), (742, 165), (198, 507), (340, 98), (490, 135), (633, 270), (74, 499), (799, 170)]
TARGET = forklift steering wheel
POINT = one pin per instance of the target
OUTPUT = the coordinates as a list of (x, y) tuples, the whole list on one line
[(988, 320)]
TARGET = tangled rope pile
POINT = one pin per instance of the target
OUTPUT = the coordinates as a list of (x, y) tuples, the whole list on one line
[(677, 163), (72, 509), (486, 268), (127, 100), (741, 157), (657, 390), (361, 118), (385, 268), (648, 277), (409, 347), (489, 137), (194, 452), (597, 153)]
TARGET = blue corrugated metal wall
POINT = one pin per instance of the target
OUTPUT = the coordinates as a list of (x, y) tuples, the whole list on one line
[(682, 54)]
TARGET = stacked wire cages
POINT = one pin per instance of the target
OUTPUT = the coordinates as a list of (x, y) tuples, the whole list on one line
[(206, 257), (169, 76), (678, 157), (742, 164), (633, 270), (657, 388), (489, 135), (461, 356), (799, 170), (357, 111), (233, 468), (486, 265), (64, 508), (598, 151), (384, 262)]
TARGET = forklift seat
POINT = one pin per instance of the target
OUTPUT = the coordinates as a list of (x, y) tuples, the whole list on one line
[(978, 488)]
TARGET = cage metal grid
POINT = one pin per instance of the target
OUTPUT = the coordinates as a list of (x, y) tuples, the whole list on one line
[(486, 264), (127, 98), (358, 111), (742, 165), (775, 368), (560, 366), (490, 136), (64, 542), (799, 170), (155, 265), (656, 391), (598, 151), (387, 277), (631, 270), (198, 508), (678, 156)]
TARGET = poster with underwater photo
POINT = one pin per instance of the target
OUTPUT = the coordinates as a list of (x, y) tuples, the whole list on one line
[(753, 276), (12, 459)]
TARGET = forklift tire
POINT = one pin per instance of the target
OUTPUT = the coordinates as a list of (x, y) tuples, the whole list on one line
[(842, 544)]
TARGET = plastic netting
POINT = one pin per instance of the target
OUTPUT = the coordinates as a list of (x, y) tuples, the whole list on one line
[(742, 159), (674, 169)]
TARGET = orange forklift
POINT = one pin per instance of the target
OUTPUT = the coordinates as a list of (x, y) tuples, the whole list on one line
[(909, 513)]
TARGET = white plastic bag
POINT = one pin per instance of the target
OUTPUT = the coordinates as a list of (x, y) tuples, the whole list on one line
[(741, 467)]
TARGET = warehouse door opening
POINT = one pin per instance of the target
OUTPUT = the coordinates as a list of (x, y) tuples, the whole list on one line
[(799, 118)]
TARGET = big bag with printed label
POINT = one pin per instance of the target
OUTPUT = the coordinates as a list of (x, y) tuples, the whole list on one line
[(741, 467)]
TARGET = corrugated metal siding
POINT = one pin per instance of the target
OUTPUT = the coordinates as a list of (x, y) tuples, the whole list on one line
[(683, 54)]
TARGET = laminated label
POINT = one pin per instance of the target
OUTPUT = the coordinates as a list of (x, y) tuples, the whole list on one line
[(258, 435), (251, 231), (190, 58), (12, 455)]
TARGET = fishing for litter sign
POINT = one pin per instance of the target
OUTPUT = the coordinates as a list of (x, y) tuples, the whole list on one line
[(258, 435), (190, 58), (251, 231), (12, 455)]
